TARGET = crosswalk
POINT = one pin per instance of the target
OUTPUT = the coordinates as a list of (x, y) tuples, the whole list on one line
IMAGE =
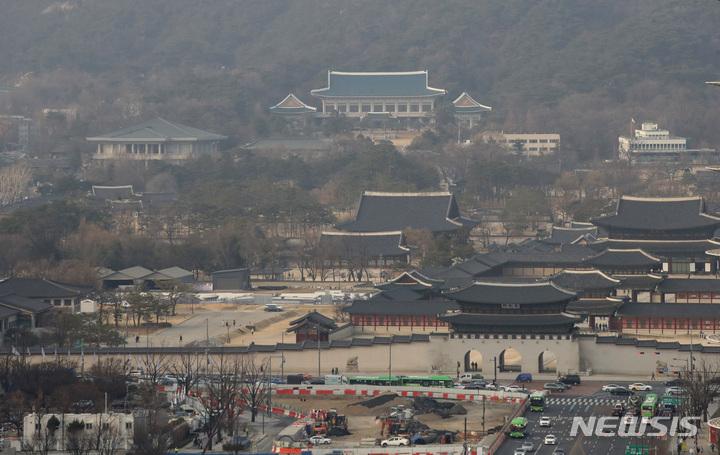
[(587, 401)]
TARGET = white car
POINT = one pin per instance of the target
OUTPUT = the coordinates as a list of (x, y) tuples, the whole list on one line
[(674, 390), (609, 387), (550, 439), (396, 441), (544, 421), (519, 451), (640, 386), (628, 419), (317, 440)]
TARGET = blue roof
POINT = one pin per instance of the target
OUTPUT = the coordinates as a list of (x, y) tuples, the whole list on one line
[(406, 84)]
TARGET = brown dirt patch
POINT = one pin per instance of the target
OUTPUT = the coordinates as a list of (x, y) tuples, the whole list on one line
[(362, 422)]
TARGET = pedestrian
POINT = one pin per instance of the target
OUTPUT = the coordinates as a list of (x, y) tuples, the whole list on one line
[(252, 331), (181, 338), (653, 375), (233, 322), (137, 338), (176, 450)]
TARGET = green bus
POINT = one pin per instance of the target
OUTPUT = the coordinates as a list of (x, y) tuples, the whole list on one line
[(537, 401), (649, 407), (518, 427), (427, 381), (374, 380)]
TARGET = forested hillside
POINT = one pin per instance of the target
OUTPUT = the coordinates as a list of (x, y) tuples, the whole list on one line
[(580, 68)]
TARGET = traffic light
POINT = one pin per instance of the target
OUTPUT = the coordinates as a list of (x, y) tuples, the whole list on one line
[(659, 371), (657, 353), (641, 352)]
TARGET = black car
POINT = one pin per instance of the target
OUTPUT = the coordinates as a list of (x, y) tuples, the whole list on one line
[(621, 391), (674, 382), (573, 379)]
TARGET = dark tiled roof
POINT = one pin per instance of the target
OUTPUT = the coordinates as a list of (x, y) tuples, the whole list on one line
[(596, 307), (398, 307), (510, 319), (569, 254), (689, 285), (624, 257), (521, 293), (26, 304), (342, 84), (398, 293), (6, 311), (646, 343), (37, 288), (316, 317), (606, 340), (584, 280), (383, 212), (559, 235), (361, 244), (639, 282), (671, 310), (412, 280), (657, 247), (158, 129), (658, 214)]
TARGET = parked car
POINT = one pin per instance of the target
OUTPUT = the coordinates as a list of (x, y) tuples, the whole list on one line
[(317, 440), (609, 387), (473, 387), (573, 379), (640, 386), (396, 441), (553, 387), (550, 439), (524, 377), (621, 391), (667, 412), (544, 421)]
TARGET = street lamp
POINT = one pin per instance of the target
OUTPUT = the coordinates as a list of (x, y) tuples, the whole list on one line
[(390, 363), (282, 352)]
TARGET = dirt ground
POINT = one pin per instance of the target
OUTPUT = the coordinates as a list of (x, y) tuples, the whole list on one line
[(362, 422)]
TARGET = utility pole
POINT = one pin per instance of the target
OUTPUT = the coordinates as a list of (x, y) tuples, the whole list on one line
[(390, 364), (318, 344)]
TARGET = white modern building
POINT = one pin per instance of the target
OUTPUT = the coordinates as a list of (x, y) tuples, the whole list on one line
[(651, 143), (111, 430)]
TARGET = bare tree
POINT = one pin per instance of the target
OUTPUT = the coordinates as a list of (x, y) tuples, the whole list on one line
[(42, 440), (77, 440), (175, 291), (700, 386), (108, 439), (221, 395)]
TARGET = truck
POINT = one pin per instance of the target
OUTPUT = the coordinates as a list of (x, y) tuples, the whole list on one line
[(467, 377), (335, 379)]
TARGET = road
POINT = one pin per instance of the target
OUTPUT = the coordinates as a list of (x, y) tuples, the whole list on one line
[(563, 407)]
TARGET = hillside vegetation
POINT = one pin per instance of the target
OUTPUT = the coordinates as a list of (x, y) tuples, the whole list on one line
[(580, 68)]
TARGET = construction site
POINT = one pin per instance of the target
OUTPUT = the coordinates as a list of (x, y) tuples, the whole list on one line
[(357, 421)]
